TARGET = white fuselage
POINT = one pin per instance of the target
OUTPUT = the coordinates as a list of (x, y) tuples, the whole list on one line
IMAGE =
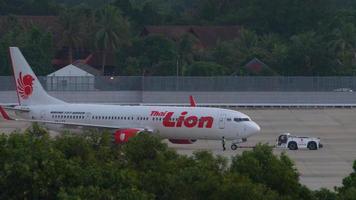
[(167, 122)]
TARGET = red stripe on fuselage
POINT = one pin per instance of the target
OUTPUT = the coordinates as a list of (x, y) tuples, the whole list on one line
[(4, 114)]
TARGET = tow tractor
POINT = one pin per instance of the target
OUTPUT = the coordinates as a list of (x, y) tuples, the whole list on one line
[(286, 140)]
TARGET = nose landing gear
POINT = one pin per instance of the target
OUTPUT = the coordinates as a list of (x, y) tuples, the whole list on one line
[(235, 142), (233, 147)]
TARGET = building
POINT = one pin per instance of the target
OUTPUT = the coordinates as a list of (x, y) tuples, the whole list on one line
[(257, 67), (76, 76), (206, 36)]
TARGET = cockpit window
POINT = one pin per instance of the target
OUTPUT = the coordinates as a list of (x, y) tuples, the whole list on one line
[(241, 119)]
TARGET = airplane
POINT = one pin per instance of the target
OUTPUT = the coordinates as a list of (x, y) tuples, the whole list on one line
[(180, 125)]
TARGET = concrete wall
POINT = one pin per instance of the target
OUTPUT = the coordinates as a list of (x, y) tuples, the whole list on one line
[(201, 97)]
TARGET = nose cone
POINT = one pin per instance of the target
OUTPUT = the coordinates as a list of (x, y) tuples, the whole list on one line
[(252, 128)]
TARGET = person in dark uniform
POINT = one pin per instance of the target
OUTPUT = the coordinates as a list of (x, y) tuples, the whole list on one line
[(223, 143)]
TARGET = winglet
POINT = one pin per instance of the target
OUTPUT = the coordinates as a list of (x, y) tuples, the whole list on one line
[(192, 101), (4, 114)]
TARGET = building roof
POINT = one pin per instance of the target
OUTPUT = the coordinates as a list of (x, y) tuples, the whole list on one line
[(76, 69), (70, 70), (172, 32), (208, 36), (255, 65), (87, 68), (211, 35)]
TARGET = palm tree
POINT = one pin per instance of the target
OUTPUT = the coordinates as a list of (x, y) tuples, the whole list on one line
[(72, 33), (112, 31), (343, 43), (185, 52)]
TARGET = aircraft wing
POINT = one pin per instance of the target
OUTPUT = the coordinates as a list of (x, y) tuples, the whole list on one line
[(85, 125), (69, 124)]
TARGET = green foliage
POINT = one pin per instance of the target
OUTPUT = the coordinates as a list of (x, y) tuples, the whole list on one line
[(68, 167), (112, 31), (292, 37), (73, 29), (261, 166), (239, 187), (206, 69), (348, 190), (36, 45), (89, 166), (325, 194), (28, 7), (307, 55), (154, 55), (237, 53)]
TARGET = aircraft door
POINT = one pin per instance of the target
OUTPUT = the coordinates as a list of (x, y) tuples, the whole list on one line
[(137, 120), (222, 119), (43, 115), (87, 117)]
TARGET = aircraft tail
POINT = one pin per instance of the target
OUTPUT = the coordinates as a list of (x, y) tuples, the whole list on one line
[(28, 87)]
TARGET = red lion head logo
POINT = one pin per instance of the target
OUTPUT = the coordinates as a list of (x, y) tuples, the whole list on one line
[(25, 85)]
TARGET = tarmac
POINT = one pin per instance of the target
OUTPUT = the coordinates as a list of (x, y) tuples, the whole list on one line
[(323, 168)]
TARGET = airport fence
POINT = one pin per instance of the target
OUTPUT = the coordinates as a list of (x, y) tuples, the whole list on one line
[(172, 83)]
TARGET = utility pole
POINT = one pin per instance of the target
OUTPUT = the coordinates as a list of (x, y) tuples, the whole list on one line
[(177, 71)]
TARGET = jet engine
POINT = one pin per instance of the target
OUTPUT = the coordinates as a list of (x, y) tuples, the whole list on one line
[(122, 136)]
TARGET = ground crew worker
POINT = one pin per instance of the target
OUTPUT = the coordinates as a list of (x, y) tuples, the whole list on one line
[(223, 143)]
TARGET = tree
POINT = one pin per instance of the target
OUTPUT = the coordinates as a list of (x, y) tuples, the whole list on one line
[(325, 194), (202, 68), (308, 55), (28, 7), (234, 54), (185, 52), (34, 165), (236, 186), (153, 55), (112, 31), (348, 189), (73, 31), (343, 45), (261, 166), (269, 48), (36, 45), (39, 50), (285, 17)]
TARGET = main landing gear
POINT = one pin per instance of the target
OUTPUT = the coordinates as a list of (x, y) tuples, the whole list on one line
[(235, 142)]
